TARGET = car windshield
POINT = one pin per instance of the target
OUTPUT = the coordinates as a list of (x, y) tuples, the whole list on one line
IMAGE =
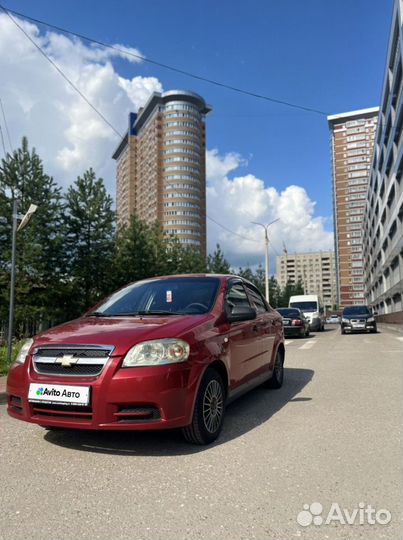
[(184, 296), (356, 310), (289, 312), (305, 306)]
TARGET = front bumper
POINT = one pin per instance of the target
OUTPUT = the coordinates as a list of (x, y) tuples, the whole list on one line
[(354, 327), (137, 398), (315, 324)]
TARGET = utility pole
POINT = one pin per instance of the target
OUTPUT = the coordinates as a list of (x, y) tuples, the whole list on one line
[(12, 284), (286, 262), (24, 222), (266, 241)]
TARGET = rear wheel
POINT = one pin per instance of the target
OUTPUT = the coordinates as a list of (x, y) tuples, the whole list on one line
[(277, 378), (208, 414)]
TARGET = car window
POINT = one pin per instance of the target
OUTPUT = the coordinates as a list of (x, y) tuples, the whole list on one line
[(190, 296), (305, 306), (258, 302), (356, 310), (289, 312), (236, 297)]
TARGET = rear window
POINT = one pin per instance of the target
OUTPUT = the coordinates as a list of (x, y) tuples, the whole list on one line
[(288, 312)]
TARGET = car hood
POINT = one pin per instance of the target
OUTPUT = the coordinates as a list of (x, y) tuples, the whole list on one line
[(120, 332)]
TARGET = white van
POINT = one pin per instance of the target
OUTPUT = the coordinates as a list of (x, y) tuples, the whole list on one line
[(311, 306)]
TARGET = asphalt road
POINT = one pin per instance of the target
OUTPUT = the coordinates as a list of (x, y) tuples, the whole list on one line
[(332, 434)]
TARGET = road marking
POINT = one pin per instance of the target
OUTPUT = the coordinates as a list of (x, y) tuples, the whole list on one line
[(289, 341), (308, 344)]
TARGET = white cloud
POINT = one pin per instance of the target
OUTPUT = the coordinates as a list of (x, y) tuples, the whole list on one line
[(39, 103), (70, 137), (239, 200)]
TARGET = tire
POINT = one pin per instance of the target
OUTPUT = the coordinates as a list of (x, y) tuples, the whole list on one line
[(209, 410), (343, 332), (307, 332), (276, 380)]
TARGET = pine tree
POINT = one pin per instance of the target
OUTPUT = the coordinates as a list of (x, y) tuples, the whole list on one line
[(39, 246), (90, 225), (136, 253), (217, 263)]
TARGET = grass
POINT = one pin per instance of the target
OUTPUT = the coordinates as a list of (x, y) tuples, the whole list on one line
[(4, 365)]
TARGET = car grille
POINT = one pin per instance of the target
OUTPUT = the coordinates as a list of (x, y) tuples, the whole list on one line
[(71, 361), (43, 411), (358, 321)]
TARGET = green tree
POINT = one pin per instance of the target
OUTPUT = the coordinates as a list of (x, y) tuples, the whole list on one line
[(275, 292), (289, 290), (40, 255), (217, 263), (90, 225), (136, 253)]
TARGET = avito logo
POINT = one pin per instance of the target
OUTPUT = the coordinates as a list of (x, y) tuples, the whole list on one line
[(46, 392), (57, 393)]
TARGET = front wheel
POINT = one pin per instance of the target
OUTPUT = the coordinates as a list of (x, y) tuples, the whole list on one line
[(208, 414)]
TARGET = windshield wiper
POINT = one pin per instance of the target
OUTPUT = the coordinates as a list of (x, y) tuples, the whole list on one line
[(98, 314), (158, 312)]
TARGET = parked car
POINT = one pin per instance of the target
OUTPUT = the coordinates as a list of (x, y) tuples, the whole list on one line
[(312, 308), (358, 319), (165, 352), (333, 319), (294, 322)]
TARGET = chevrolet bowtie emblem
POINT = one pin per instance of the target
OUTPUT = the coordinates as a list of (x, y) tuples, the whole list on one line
[(67, 360)]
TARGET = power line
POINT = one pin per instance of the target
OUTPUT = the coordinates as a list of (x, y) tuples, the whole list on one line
[(62, 73), (59, 70), (231, 231), (6, 126), (167, 66), (2, 141)]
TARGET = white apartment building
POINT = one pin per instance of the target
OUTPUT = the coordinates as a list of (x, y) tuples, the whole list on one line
[(383, 220), (316, 272)]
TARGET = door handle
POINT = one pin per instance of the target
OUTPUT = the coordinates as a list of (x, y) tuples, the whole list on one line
[(255, 329)]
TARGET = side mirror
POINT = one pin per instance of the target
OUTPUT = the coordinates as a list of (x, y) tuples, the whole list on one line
[(241, 313)]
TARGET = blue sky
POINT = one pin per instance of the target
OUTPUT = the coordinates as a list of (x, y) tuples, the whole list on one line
[(324, 54)]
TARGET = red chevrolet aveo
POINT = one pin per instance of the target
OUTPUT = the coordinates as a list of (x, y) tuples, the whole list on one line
[(161, 353)]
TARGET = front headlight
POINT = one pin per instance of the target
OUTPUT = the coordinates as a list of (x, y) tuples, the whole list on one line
[(22, 355), (371, 319), (345, 320), (157, 352)]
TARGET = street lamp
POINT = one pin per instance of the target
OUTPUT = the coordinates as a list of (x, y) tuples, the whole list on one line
[(24, 222), (266, 240)]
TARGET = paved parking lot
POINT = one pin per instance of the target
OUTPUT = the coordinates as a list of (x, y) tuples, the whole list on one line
[(332, 434)]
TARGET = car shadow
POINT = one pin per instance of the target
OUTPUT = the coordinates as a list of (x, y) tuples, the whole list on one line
[(243, 415)]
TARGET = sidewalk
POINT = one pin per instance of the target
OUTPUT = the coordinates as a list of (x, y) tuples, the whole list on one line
[(3, 396), (397, 328)]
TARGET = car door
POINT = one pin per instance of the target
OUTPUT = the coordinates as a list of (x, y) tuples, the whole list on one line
[(266, 322), (242, 346)]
